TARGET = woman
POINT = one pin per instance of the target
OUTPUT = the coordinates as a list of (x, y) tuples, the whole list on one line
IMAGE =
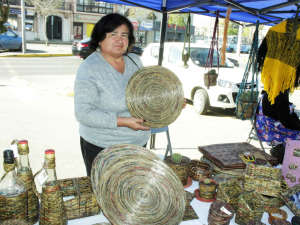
[(276, 120), (99, 92)]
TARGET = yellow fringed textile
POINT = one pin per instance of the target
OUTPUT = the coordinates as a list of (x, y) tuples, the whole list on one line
[(224, 45), (279, 69)]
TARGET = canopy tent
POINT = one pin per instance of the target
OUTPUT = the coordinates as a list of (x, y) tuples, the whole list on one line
[(268, 12)]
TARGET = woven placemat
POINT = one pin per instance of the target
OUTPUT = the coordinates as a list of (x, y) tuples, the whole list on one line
[(155, 93), (133, 186)]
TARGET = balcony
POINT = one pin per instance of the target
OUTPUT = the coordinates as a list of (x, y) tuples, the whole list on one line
[(18, 2), (93, 9), (65, 6)]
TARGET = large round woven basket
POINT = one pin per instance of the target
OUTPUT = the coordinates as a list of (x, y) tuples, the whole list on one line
[(133, 186), (155, 94)]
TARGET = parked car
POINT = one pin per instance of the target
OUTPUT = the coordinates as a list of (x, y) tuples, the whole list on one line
[(10, 40), (82, 50), (223, 95)]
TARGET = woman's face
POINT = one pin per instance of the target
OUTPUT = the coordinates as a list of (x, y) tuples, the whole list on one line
[(116, 42)]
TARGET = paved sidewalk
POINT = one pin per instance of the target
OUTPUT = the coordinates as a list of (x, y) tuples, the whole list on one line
[(41, 50)]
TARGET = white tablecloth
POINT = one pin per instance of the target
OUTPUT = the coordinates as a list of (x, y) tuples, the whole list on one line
[(201, 208)]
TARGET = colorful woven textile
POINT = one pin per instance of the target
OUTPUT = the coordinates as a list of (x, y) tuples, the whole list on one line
[(281, 62), (271, 130)]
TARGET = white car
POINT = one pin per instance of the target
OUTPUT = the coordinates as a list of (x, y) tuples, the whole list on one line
[(223, 95)]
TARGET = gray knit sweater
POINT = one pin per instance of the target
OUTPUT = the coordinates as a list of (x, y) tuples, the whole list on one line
[(99, 98)]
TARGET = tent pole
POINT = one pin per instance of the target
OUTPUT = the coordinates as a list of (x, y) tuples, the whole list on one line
[(163, 28)]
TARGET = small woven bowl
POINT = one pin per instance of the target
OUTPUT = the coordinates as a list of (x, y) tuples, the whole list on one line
[(276, 213), (155, 94), (200, 169)]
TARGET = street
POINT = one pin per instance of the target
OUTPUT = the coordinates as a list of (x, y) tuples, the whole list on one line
[(46, 118)]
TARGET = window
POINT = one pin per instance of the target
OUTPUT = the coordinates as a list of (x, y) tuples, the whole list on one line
[(155, 51), (93, 6), (10, 34), (175, 55)]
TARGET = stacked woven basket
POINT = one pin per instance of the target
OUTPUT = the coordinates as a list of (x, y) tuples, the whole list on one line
[(133, 186)]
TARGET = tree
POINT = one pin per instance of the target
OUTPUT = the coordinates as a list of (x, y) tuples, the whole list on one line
[(141, 15), (4, 13), (177, 20), (45, 8)]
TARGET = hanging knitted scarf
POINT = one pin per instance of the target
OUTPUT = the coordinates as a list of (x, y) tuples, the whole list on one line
[(281, 62)]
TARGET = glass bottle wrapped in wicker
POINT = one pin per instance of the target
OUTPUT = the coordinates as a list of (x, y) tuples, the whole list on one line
[(52, 208), (13, 193), (25, 173)]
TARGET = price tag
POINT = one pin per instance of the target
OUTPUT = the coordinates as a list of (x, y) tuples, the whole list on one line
[(15, 150), (277, 215), (42, 177), (225, 210)]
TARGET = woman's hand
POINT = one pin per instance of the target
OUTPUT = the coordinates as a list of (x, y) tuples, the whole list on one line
[(132, 123), (184, 104)]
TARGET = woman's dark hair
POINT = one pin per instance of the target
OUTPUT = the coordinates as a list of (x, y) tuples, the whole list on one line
[(108, 24)]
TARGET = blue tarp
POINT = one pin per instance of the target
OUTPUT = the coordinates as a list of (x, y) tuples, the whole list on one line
[(269, 12)]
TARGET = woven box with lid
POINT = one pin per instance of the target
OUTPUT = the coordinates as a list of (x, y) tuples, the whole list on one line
[(262, 179), (250, 207), (229, 192), (271, 202), (81, 201)]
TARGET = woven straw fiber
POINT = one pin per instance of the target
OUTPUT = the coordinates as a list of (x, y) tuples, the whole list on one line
[(250, 207), (15, 222), (133, 186), (262, 179), (181, 169), (155, 94), (84, 202), (271, 202), (285, 195), (229, 192), (200, 169), (253, 222), (274, 214), (217, 216)]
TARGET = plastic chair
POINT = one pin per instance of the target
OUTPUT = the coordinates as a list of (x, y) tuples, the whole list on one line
[(153, 131)]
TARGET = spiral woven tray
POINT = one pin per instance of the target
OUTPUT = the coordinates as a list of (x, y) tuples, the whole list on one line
[(155, 94), (133, 186)]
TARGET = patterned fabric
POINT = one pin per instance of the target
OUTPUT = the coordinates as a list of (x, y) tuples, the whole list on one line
[(281, 62), (271, 130)]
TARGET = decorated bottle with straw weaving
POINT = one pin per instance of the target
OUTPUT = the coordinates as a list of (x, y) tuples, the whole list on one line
[(13, 193), (52, 209), (176, 157), (25, 173)]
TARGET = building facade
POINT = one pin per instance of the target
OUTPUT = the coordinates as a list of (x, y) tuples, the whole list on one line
[(75, 20)]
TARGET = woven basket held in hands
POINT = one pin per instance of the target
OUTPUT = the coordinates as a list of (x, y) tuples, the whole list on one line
[(154, 93), (200, 169)]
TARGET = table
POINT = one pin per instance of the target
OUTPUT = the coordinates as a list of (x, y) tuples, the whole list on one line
[(201, 208)]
